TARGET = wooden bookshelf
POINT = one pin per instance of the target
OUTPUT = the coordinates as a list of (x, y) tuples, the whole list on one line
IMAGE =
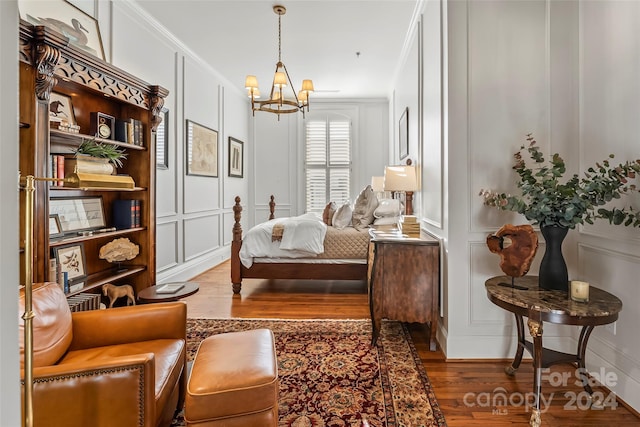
[(48, 63)]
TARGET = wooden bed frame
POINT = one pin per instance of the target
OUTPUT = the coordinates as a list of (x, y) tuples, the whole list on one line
[(291, 270)]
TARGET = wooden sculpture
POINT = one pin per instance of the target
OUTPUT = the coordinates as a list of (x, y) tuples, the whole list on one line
[(516, 245)]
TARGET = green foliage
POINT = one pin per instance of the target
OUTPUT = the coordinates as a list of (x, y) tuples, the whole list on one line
[(546, 200), (101, 150)]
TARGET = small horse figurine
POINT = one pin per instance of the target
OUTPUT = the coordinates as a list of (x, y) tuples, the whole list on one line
[(114, 292)]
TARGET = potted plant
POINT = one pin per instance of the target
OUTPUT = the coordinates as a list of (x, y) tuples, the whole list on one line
[(108, 157), (557, 206)]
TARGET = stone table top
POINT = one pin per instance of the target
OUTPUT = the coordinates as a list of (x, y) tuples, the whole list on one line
[(601, 303)]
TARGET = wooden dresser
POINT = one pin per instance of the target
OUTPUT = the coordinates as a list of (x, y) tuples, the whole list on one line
[(403, 279)]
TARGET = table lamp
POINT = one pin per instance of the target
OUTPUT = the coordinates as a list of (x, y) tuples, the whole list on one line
[(401, 179)]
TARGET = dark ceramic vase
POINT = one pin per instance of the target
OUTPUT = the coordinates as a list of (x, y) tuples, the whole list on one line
[(553, 270)]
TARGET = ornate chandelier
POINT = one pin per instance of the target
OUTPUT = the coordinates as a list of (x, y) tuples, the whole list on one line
[(278, 102)]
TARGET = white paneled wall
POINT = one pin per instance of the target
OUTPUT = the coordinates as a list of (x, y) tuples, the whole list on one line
[(567, 72), (194, 213)]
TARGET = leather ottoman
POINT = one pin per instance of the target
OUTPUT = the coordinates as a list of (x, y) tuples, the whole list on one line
[(234, 381)]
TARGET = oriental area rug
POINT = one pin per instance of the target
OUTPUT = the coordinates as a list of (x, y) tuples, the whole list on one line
[(330, 376)]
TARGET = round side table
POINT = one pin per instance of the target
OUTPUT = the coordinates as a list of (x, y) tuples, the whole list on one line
[(151, 294)]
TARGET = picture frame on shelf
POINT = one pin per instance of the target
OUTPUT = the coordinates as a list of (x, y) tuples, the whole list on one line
[(403, 134), (236, 157), (78, 213), (202, 150), (61, 109), (162, 141), (71, 260), (55, 227), (82, 30)]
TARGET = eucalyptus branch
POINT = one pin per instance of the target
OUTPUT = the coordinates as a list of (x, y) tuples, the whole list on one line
[(545, 200)]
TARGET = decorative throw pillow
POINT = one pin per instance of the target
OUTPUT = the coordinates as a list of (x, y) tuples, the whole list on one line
[(386, 220), (342, 217), (387, 207), (327, 214), (365, 205)]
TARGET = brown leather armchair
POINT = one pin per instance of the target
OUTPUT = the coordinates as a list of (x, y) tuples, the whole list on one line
[(117, 367)]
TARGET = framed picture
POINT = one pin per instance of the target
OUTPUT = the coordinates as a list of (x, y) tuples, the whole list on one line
[(61, 108), (403, 134), (162, 141), (236, 157), (55, 228), (81, 29), (71, 260), (78, 213), (202, 150)]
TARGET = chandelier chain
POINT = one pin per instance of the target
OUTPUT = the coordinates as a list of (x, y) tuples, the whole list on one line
[(279, 38)]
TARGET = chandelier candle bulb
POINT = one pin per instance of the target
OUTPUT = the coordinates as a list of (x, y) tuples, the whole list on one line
[(579, 291)]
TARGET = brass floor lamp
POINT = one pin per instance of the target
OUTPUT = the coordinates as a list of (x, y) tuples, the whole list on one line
[(30, 189)]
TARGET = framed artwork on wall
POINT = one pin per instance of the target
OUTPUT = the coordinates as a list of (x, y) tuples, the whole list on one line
[(81, 29), (236, 157), (202, 150), (403, 134)]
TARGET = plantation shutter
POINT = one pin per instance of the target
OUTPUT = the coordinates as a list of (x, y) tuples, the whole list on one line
[(328, 162)]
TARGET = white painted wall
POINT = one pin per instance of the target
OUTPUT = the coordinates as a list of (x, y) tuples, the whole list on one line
[(9, 270), (566, 71)]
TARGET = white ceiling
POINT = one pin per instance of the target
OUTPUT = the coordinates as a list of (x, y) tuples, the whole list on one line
[(320, 40)]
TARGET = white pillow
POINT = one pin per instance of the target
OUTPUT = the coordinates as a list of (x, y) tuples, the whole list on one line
[(386, 220), (363, 208), (386, 208), (342, 217)]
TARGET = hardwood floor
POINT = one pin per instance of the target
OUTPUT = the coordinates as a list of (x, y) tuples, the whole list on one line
[(466, 390)]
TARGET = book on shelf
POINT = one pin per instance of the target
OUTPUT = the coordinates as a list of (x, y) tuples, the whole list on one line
[(122, 131), (60, 172), (53, 270), (56, 169), (84, 302), (126, 213), (171, 288)]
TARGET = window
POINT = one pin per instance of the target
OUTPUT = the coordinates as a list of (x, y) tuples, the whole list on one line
[(328, 161)]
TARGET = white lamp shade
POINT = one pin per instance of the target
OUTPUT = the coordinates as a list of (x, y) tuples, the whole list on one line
[(302, 96), (251, 82), (400, 178), (280, 79), (377, 183), (253, 93), (307, 85)]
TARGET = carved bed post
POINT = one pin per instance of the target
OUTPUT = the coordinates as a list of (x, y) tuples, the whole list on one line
[(272, 207), (236, 243)]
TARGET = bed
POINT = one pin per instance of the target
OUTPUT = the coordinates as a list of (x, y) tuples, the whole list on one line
[(344, 255)]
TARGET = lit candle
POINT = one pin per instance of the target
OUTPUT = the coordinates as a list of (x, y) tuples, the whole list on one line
[(579, 291)]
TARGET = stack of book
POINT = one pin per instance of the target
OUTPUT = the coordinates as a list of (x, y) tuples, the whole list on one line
[(410, 226), (84, 302), (130, 131)]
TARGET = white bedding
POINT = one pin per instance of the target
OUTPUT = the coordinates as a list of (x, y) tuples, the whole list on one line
[(302, 237)]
